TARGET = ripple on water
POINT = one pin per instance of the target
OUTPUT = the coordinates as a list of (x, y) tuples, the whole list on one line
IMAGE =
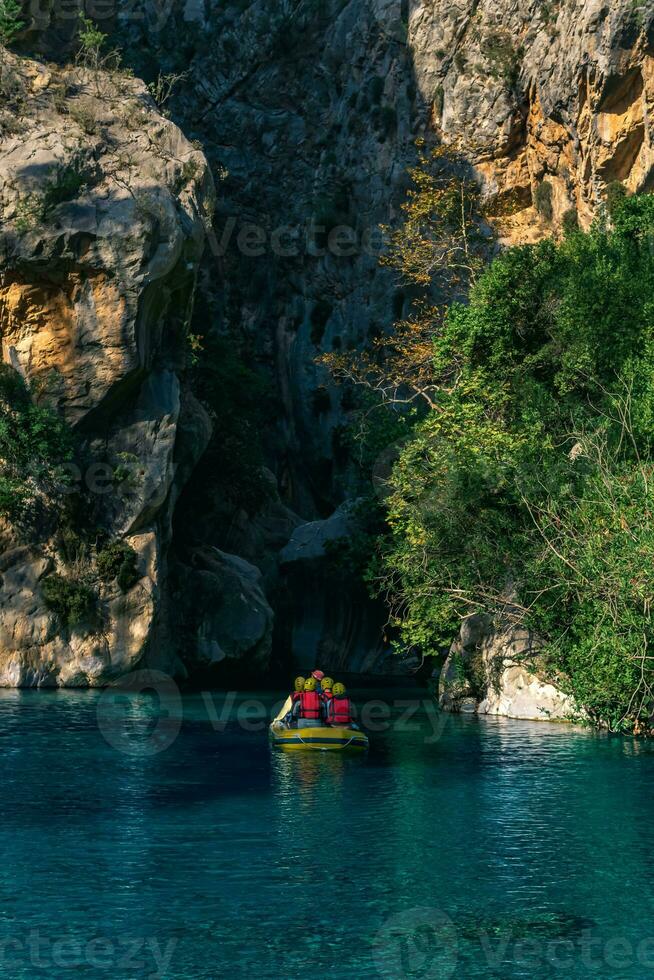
[(253, 863)]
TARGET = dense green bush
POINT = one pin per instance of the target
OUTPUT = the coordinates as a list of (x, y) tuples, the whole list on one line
[(11, 23), (72, 601), (34, 444), (527, 490), (118, 560), (570, 221)]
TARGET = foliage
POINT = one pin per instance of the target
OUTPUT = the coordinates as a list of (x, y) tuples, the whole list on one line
[(74, 602), (570, 221), (504, 57), (439, 237), (10, 21), (598, 568), (34, 444), (164, 86), (440, 249), (72, 546), (91, 42), (526, 491), (90, 52), (118, 560), (64, 183), (615, 195)]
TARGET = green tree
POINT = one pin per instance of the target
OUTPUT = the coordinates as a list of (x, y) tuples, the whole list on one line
[(34, 445), (11, 23), (525, 490)]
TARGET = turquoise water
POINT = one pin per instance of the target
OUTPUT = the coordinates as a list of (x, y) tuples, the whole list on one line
[(489, 849)]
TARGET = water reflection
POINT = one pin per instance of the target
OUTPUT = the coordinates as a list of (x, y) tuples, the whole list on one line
[(257, 862)]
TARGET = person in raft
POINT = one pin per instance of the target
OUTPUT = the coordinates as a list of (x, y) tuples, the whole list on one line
[(308, 710), (298, 685), (339, 708), (296, 694), (326, 693)]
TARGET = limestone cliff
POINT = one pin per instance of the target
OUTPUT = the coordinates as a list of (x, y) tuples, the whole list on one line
[(550, 102), (313, 111), (102, 203)]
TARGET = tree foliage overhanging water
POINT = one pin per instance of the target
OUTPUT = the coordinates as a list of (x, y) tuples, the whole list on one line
[(525, 488)]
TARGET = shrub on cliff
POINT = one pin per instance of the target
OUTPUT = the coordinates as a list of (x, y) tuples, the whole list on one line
[(34, 445), (118, 560), (72, 601)]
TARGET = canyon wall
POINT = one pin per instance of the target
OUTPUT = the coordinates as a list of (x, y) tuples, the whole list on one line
[(307, 114)]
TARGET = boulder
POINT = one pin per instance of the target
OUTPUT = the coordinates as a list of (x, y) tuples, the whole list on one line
[(329, 617), (500, 671), (225, 613), (311, 540)]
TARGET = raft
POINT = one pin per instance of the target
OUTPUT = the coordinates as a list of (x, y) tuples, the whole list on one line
[(324, 738)]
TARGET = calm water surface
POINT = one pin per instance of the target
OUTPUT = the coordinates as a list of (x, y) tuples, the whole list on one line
[(500, 849)]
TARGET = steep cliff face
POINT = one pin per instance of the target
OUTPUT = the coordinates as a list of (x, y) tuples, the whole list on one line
[(308, 114), (313, 110), (550, 102), (102, 228)]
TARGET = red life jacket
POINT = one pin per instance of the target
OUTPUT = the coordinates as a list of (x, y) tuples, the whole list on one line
[(340, 711), (310, 705), (295, 696)]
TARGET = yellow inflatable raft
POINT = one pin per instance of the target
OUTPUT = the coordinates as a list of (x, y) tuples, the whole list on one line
[(325, 738)]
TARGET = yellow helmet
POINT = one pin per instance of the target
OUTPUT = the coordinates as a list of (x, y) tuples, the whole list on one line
[(327, 683), (299, 683), (339, 689), (310, 684)]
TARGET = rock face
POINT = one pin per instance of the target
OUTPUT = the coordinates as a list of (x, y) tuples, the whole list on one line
[(313, 112), (499, 672), (229, 618), (549, 102), (331, 619), (102, 205)]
